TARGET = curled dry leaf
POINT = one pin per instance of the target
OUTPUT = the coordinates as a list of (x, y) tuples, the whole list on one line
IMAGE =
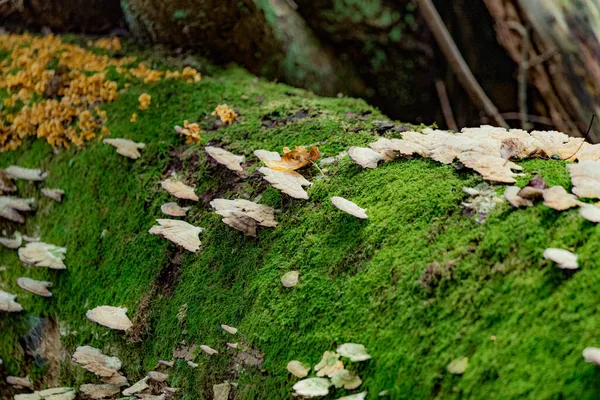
[(291, 160), (586, 178), (98, 391), (18, 382), (179, 189), (365, 157), (208, 350), (13, 243), (10, 207), (224, 157), (95, 362), (136, 387), (346, 379), (36, 287), (54, 194), (557, 198), (178, 232), (158, 376), (358, 396), (221, 391), (349, 207), (111, 317), (43, 255), (290, 279), (61, 393), (312, 387), (355, 352), (458, 366), (394, 148), (174, 210), (229, 329), (330, 363), (511, 194), (564, 259), (125, 147), (590, 212), (492, 168), (592, 355), (28, 174), (298, 369), (8, 303), (289, 182)]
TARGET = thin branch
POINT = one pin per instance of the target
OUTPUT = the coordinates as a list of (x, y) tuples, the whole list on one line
[(446, 107), (523, 68), (542, 58), (457, 62)]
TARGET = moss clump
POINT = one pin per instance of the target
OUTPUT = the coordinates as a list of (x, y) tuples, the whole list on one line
[(359, 280)]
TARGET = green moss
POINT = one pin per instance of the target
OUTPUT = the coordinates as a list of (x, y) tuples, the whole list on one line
[(358, 279)]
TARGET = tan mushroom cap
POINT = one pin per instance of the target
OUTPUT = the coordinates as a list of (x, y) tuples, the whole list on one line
[(557, 198), (125, 147), (111, 317), (365, 157), (28, 174), (458, 366), (290, 279), (18, 382), (226, 158), (8, 303), (312, 387), (263, 215), (265, 155), (13, 243), (208, 350), (178, 232), (393, 148), (43, 255), (564, 259), (330, 363), (511, 194), (229, 329), (346, 379), (54, 194), (491, 168), (10, 207), (174, 210), (289, 182), (158, 376), (298, 369), (36, 287), (179, 189), (590, 212), (586, 178), (349, 207)]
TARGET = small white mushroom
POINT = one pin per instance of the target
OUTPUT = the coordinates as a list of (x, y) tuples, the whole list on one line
[(43, 255), (290, 279), (125, 147), (590, 212), (18, 382), (208, 350), (28, 174), (564, 259), (592, 355), (54, 194), (355, 352), (458, 366), (192, 364), (297, 369), (349, 207), (179, 189), (10, 207), (13, 243), (158, 376), (511, 194), (36, 287), (365, 157), (178, 232), (174, 210), (312, 387), (232, 345), (8, 303), (92, 359), (221, 391), (111, 317), (229, 329), (289, 182), (224, 157)]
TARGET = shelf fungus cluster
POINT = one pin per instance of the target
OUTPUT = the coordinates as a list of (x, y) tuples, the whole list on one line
[(330, 372), (244, 215)]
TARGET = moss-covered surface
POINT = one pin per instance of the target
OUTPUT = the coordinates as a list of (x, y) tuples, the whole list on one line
[(358, 279)]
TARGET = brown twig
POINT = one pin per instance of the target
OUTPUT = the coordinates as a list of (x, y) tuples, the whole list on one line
[(523, 68), (457, 62), (445, 103)]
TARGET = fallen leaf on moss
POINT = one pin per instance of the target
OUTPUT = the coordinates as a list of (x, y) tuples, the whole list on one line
[(28, 174), (179, 189), (137, 387), (511, 194), (289, 182), (359, 396), (174, 210), (36, 287), (224, 157), (43, 255), (491, 168), (229, 329), (312, 387), (557, 198), (208, 350), (158, 376), (267, 156), (564, 259), (355, 352), (586, 178), (365, 157), (95, 362), (62, 393), (458, 366), (178, 232), (590, 212), (290, 279), (349, 207), (54, 194), (125, 147), (221, 391), (330, 363), (298, 369), (13, 243), (346, 379), (8, 303), (393, 148), (110, 317), (293, 159), (19, 383), (98, 391), (592, 355), (10, 207)]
